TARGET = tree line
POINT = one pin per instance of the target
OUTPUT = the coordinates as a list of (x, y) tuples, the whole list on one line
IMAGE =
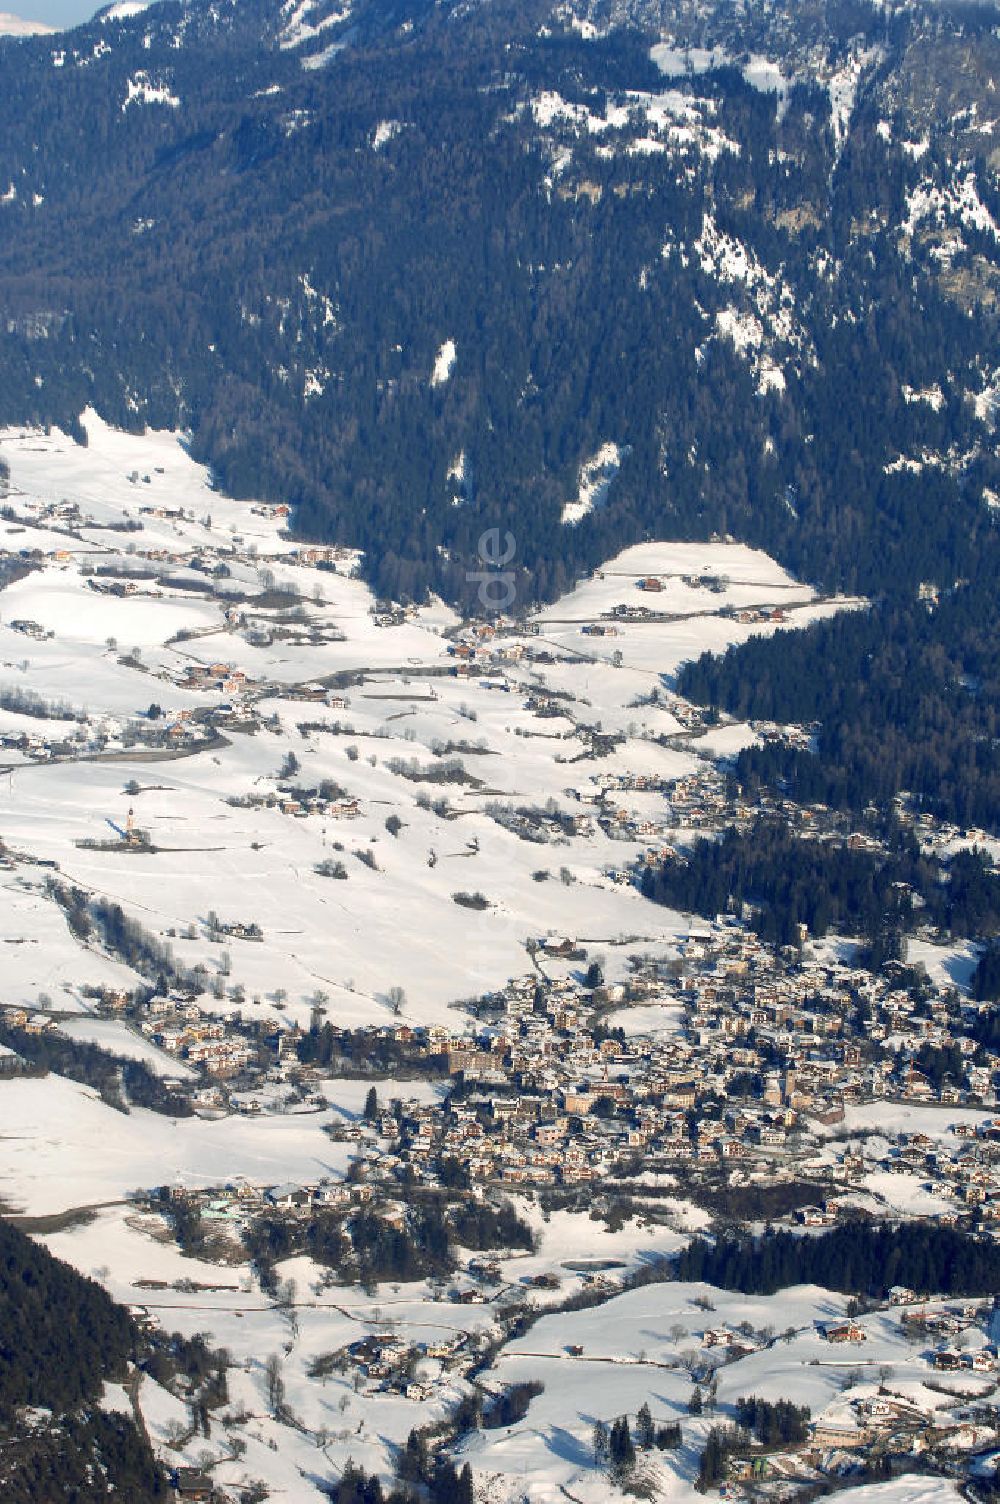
[(120, 1081), (785, 880), (855, 1259)]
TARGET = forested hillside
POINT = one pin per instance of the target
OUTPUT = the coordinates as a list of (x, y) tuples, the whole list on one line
[(730, 285), (61, 1338), (905, 696)]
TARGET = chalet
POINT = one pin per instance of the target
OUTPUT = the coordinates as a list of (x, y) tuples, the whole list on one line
[(559, 947), (813, 1216), (842, 1331), (290, 1197), (719, 1336), (194, 1487), (343, 809)]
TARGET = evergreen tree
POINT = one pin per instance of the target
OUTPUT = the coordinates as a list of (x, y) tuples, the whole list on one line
[(621, 1449)]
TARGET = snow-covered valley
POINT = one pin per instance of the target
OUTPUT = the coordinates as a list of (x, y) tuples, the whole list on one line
[(241, 800)]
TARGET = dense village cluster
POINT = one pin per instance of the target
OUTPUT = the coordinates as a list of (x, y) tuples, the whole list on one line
[(767, 1054)]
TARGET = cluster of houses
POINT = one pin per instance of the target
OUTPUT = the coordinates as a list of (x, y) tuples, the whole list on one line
[(954, 1332), (183, 1030), (393, 1364), (490, 645), (299, 803), (628, 612), (872, 1419), (118, 588), (66, 737), (26, 1021), (29, 628), (751, 615), (551, 1098), (851, 1436), (767, 1055), (223, 678)]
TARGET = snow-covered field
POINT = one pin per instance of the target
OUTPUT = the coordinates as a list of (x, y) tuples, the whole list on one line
[(641, 1347), (394, 924), (62, 1148)]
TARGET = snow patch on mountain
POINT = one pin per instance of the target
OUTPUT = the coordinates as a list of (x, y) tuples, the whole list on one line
[(296, 120), (123, 10), (315, 381), (724, 257), (444, 363), (769, 77), (843, 89), (938, 206), (763, 320), (744, 329), (326, 55), (456, 477), (931, 395), (766, 77), (456, 470), (759, 72), (142, 90), (986, 402), (596, 476), (386, 131), (668, 121), (298, 28), (675, 62), (319, 303), (728, 260)]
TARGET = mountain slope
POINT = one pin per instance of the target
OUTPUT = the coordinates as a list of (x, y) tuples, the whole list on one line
[(751, 274), (61, 1338)]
